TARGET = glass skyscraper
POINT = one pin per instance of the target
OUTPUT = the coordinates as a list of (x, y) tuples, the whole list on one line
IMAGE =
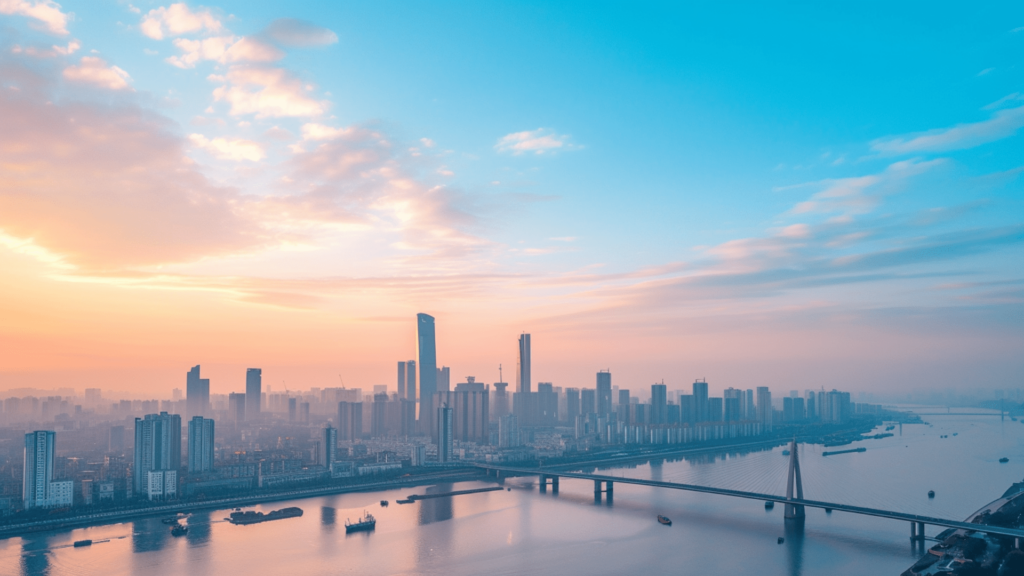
[(426, 361)]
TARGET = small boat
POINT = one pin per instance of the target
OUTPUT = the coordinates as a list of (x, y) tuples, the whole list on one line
[(664, 520), (406, 501), (769, 505), (931, 493), (384, 503), (179, 530), (785, 452), (171, 521), (955, 433), (781, 539), (1004, 460), (80, 543), (828, 510), (364, 524)]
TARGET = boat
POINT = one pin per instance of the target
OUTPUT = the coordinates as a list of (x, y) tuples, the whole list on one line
[(384, 503), (364, 524), (407, 501), (769, 505), (171, 521), (828, 510), (781, 539), (80, 543), (931, 493), (1004, 460), (251, 517), (664, 520), (179, 530), (785, 452)]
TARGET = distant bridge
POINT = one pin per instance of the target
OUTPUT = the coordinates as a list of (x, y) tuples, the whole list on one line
[(794, 503)]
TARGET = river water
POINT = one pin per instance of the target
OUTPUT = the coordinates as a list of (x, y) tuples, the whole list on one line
[(523, 531)]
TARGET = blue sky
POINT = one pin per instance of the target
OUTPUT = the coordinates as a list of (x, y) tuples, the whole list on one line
[(681, 171)]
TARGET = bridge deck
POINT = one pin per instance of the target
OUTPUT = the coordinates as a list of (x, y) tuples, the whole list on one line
[(757, 496)]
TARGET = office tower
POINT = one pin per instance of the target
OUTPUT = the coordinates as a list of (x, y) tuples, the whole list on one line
[(401, 380), (811, 404), (236, 406), (572, 404), (115, 441), (407, 416), (378, 415), (523, 366), (445, 434), (659, 404), (588, 402), (426, 359), (293, 409), (253, 393), (328, 447), (716, 409), (764, 406), (197, 391), (751, 413), (604, 392), (547, 404), (410, 380), (157, 455), (200, 445), (508, 431), (700, 400), (500, 405), (39, 490)]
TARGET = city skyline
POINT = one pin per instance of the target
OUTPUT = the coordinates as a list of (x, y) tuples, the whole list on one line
[(666, 190)]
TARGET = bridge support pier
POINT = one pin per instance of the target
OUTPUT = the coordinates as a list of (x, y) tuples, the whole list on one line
[(794, 486), (609, 491), (913, 531), (597, 491), (543, 483), (920, 530), (554, 484)]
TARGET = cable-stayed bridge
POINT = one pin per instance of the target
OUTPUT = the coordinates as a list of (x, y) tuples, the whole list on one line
[(604, 485)]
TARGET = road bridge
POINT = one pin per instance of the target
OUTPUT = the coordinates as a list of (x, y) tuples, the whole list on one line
[(794, 503)]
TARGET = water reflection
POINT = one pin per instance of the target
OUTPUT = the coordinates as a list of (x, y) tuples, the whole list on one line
[(149, 535), (199, 528), (436, 509), (327, 516), (795, 545), (35, 555)]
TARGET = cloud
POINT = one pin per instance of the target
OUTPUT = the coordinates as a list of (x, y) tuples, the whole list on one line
[(108, 187), (93, 70), (45, 13), (177, 19), (229, 149), (986, 71), (223, 49), (313, 131), (539, 141), (52, 52), (299, 34), (267, 92), (1004, 123)]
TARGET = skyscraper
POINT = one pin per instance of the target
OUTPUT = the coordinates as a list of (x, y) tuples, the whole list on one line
[(500, 404), (401, 380), (523, 366), (588, 403), (445, 434), (426, 359), (659, 404), (700, 400), (38, 486), (444, 379), (236, 406), (253, 393), (410, 380), (604, 392), (157, 455), (764, 407), (200, 445), (329, 446), (197, 393)]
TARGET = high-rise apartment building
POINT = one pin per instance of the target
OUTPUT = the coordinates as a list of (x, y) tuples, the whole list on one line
[(200, 445), (500, 405), (328, 446), (508, 431), (253, 393), (700, 401), (236, 407), (572, 404), (764, 407), (197, 393), (604, 393), (157, 455), (659, 404), (588, 401), (524, 365), (39, 490), (444, 379), (445, 434), (426, 360)]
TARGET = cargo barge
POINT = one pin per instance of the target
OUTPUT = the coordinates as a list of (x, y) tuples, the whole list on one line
[(251, 517)]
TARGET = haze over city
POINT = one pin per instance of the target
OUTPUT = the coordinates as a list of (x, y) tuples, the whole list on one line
[(784, 197)]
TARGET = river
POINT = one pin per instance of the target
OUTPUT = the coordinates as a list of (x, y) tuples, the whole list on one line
[(523, 531)]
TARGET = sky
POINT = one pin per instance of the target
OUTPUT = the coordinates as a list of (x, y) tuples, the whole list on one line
[(802, 196)]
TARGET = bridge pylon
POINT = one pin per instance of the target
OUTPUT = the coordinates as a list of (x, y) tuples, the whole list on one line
[(794, 484)]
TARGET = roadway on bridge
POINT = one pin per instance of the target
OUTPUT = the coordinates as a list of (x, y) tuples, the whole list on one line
[(893, 515)]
